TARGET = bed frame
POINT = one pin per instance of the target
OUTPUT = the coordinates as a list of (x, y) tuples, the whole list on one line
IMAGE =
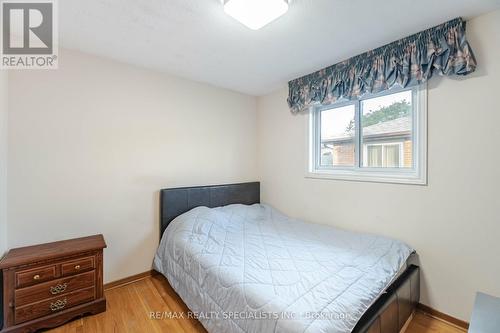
[(389, 314)]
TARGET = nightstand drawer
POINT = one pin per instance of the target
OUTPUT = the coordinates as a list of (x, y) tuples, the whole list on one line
[(77, 266), (54, 288), (53, 305), (35, 276)]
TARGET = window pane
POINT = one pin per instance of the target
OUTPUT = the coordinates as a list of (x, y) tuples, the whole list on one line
[(387, 121), (337, 137), (391, 156), (374, 156)]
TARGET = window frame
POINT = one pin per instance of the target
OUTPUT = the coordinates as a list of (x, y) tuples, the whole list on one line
[(415, 175)]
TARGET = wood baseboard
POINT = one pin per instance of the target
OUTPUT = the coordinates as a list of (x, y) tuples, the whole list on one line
[(443, 316), (129, 279)]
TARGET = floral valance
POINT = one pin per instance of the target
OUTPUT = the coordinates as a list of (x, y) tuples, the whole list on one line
[(407, 62)]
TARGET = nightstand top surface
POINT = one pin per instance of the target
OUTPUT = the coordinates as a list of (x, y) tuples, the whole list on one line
[(60, 249)]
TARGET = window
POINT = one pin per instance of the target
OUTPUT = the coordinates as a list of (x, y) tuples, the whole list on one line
[(379, 137)]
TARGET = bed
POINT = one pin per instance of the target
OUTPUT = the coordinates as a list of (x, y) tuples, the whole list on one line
[(241, 266)]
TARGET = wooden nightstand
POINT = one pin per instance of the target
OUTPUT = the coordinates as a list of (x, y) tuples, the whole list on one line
[(49, 284)]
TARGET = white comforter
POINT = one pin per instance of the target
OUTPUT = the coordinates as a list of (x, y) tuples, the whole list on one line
[(251, 269)]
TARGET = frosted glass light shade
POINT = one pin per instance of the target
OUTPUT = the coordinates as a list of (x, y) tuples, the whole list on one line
[(255, 13)]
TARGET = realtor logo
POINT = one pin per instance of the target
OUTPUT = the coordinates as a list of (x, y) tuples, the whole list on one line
[(29, 34)]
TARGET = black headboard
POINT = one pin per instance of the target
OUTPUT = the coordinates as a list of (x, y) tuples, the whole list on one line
[(176, 201)]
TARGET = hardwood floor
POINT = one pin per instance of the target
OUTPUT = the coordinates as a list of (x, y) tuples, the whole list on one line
[(423, 323), (130, 306)]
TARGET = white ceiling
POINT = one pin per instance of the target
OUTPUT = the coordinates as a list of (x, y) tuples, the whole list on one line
[(196, 40)]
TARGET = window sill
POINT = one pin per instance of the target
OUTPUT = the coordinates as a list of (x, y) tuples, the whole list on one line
[(372, 177)]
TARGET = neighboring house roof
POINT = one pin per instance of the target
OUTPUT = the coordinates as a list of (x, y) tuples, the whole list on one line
[(391, 128), (399, 125)]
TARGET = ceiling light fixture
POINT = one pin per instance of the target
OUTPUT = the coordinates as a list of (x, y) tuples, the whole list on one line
[(255, 13)]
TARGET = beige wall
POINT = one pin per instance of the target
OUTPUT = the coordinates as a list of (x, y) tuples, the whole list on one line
[(3, 161), (454, 222), (90, 145)]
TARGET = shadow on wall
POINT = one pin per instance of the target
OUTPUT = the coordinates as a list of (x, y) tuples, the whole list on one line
[(151, 237), (156, 214)]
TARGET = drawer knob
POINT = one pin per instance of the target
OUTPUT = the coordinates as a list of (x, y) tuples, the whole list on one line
[(77, 267), (58, 305), (36, 277), (58, 289)]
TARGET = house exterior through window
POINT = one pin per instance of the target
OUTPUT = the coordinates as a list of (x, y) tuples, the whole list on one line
[(376, 138)]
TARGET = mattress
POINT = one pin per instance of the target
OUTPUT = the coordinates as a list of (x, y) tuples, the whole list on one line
[(253, 269)]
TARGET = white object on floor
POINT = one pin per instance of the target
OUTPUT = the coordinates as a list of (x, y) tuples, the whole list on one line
[(486, 314)]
